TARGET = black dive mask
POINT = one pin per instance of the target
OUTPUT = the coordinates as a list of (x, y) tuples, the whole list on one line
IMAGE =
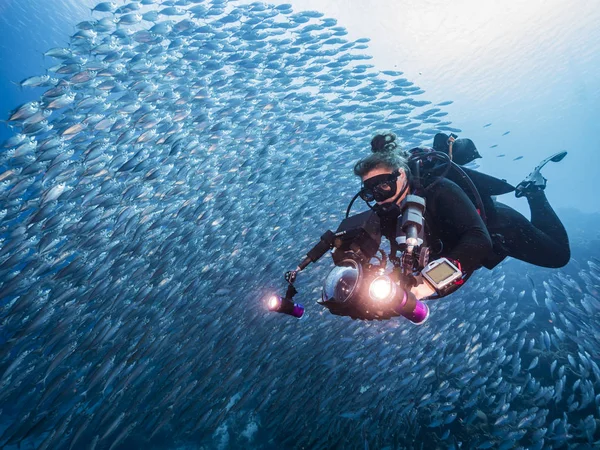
[(388, 212), (379, 187)]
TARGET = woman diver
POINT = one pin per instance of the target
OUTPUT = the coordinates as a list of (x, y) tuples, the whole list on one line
[(453, 225), (442, 224)]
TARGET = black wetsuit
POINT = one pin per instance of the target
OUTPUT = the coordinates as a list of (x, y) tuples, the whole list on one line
[(542, 242), (454, 229)]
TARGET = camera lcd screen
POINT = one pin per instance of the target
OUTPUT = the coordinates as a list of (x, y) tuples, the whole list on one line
[(441, 272)]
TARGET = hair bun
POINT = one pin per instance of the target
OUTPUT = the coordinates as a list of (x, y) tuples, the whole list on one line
[(383, 143)]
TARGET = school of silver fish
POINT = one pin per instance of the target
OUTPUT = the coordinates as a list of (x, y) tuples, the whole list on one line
[(184, 155)]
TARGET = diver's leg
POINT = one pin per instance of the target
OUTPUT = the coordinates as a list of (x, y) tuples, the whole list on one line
[(543, 241), (521, 239), (545, 219)]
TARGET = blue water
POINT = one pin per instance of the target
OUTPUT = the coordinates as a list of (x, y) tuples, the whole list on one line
[(528, 68)]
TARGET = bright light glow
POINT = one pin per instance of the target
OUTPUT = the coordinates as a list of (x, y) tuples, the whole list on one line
[(380, 289), (274, 303)]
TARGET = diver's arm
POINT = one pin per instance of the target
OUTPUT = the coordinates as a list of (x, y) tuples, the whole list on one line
[(455, 212)]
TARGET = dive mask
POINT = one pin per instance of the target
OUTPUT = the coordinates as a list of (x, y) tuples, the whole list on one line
[(379, 187)]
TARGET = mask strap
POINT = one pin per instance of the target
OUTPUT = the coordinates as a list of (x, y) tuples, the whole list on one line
[(404, 189)]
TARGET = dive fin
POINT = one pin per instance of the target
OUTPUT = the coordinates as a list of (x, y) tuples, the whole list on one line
[(535, 181), (558, 157)]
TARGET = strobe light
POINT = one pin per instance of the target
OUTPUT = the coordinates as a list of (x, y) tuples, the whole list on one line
[(349, 290), (285, 306), (382, 289)]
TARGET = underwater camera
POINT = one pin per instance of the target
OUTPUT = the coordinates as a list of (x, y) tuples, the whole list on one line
[(357, 286), (367, 292)]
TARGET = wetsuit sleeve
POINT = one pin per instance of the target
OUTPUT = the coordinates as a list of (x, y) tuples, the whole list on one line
[(456, 214)]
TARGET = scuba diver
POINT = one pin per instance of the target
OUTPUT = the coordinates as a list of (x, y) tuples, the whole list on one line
[(442, 223)]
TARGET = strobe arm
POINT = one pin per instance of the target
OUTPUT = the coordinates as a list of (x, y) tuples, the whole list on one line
[(325, 244), (286, 304)]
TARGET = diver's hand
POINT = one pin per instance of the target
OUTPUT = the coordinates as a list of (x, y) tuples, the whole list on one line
[(422, 289)]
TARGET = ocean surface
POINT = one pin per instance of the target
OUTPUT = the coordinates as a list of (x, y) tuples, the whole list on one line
[(163, 163)]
